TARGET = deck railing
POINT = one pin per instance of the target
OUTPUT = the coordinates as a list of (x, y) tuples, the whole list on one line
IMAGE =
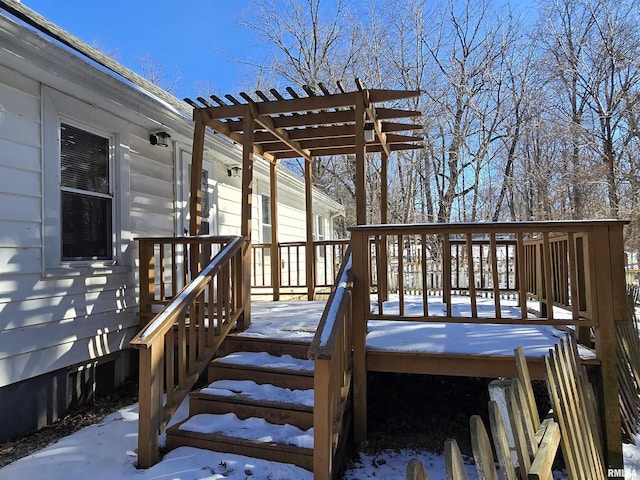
[(178, 342), (331, 350), (292, 274), (577, 265)]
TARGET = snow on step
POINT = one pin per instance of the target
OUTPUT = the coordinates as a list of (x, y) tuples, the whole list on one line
[(257, 429), (190, 462), (266, 360), (260, 392)]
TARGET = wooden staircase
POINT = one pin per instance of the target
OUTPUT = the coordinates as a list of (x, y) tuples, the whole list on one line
[(259, 403)]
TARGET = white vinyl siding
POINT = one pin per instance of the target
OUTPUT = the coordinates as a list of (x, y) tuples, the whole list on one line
[(49, 321), (152, 188)]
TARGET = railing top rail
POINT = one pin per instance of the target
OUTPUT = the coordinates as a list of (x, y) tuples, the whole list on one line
[(164, 320), (324, 338), (298, 243), (190, 239), (303, 243), (489, 227)]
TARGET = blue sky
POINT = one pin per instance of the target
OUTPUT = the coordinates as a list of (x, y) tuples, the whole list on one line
[(194, 38)]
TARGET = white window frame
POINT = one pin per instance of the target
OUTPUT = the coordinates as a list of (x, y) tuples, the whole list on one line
[(319, 231), (109, 196), (57, 109)]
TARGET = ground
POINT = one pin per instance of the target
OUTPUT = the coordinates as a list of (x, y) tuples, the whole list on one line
[(405, 411), (86, 414)]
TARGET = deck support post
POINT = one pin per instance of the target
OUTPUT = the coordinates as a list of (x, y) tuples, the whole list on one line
[(610, 308), (360, 266)]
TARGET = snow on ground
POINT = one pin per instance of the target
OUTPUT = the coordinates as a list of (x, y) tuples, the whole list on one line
[(107, 450)]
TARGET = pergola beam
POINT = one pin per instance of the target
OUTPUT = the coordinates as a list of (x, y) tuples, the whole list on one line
[(321, 143), (309, 104), (351, 150)]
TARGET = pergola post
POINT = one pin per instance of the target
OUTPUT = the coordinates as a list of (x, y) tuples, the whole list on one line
[(248, 125), (361, 169), (384, 179), (360, 249), (195, 197), (309, 250), (274, 250)]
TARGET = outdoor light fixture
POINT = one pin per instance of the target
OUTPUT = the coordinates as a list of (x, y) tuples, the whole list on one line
[(159, 139), (234, 171), (369, 134)]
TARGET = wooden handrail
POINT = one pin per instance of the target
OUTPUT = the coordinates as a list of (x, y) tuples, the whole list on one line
[(331, 350), (177, 344), (166, 319), (323, 341)]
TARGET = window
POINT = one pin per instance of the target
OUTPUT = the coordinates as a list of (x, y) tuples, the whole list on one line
[(266, 210), (86, 195), (319, 234), (319, 228)]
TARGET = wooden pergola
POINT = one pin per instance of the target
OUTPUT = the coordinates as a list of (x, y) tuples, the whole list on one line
[(317, 123)]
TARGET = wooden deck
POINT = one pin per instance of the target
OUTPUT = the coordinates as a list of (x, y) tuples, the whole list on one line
[(573, 270), (456, 349)]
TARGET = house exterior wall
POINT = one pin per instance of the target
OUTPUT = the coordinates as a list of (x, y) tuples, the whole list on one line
[(291, 206), (63, 323)]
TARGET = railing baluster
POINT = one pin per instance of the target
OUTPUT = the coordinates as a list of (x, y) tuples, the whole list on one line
[(400, 274), (174, 271), (521, 263), (201, 331), (381, 293), (423, 266), (548, 282), (289, 266), (471, 276), (494, 272), (162, 266), (446, 273), (182, 350), (191, 334), (169, 365), (573, 276)]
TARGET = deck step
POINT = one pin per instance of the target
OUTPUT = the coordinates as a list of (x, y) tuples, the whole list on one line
[(282, 371), (277, 347), (248, 399), (250, 437)]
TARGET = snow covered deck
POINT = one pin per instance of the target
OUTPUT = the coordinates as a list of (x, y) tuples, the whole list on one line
[(467, 349)]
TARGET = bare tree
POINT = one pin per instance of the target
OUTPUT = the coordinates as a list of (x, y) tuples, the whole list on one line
[(155, 73), (312, 43), (467, 45)]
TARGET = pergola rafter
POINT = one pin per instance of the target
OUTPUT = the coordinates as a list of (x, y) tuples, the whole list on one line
[(319, 124), (283, 125)]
